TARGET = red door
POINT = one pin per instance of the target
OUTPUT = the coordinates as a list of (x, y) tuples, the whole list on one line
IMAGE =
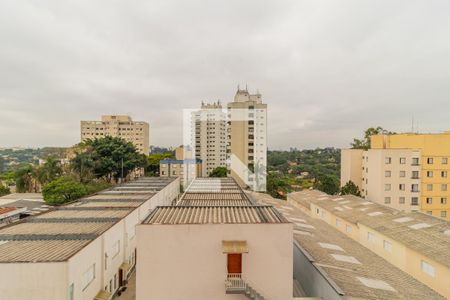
[(235, 263)]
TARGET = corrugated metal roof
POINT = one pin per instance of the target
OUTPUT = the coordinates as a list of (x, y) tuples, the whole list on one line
[(58, 234), (214, 215)]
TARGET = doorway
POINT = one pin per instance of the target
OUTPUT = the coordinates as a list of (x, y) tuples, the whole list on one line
[(234, 263)]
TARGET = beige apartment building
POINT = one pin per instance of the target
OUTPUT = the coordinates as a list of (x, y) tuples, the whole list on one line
[(136, 132), (209, 137), (214, 244), (408, 172), (414, 242), (247, 140)]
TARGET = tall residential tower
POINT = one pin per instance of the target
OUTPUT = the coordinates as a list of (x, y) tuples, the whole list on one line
[(209, 136), (247, 140)]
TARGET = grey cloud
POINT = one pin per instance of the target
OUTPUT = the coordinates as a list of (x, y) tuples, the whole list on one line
[(327, 69)]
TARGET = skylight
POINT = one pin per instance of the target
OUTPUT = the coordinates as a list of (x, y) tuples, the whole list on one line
[(419, 226)]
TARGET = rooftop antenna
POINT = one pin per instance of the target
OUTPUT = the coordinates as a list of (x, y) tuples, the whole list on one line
[(246, 89)]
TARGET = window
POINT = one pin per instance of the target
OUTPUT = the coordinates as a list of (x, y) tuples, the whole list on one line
[(414, 187), (430, 212), (444, 174), (415, 161), (444, 161), (387, 200), (163, 172), (348, 228), (317, 211), (427, 268), (371, 237), (401, 200), (387, 173), (88, 276), (387, 246), (402, 174), (387, 187), (402, 160), (444, 214), (415, 175), (414, 201), (429, 187), (443, 200), (430, 160), (387, 160), (444, 187), (429, 200), (429, 173), (401, 187)]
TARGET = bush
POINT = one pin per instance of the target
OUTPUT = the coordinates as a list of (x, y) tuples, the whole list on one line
[(63, 190), (4, 190), (219, 172)]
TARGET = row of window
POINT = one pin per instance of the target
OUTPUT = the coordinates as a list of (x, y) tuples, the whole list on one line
[(402, 187), (426, 267), (415, 160)]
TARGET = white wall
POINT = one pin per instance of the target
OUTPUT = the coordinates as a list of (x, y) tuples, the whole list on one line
[(186, 261), (25, 281)]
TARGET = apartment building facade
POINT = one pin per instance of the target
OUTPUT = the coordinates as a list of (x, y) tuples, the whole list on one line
[(247, 140), (209, 136), (405, 171), (136, 132)]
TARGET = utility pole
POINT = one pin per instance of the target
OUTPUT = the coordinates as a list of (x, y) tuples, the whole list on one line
[(121, 176)]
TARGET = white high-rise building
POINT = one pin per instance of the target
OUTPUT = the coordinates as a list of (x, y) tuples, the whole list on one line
[(209, 136)]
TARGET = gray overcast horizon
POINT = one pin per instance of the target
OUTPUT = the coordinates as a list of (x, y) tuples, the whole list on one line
[(327, 69)]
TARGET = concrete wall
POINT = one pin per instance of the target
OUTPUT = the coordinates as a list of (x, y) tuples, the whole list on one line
[(351, 166), (186, 261), (313, 282), (21, 281)]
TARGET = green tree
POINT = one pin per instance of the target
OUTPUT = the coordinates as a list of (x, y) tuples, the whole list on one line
[(152, 168), (219, 172), (365, 142), (63, 190), (350, 188), (4, 190), (277, 186), (108, 158), (327, 184), (49, 171), (24, 177)]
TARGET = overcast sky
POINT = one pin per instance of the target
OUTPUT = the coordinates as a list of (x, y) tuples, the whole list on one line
[(326, 69)]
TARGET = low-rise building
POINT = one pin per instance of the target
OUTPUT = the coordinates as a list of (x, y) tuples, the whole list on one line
[(329, 264), (414, 242), (186, 169), (214, 244), (84, 250)]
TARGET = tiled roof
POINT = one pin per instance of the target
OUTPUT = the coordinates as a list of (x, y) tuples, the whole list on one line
[(4, 210), (430, 239), (358, 272)]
